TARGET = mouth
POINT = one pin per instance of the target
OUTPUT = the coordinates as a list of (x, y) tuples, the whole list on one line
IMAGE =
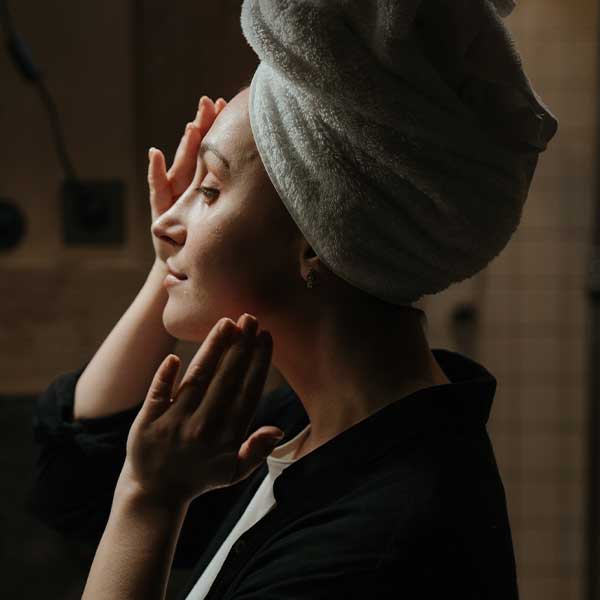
[(176, 273), (178, 276), (170, 279)]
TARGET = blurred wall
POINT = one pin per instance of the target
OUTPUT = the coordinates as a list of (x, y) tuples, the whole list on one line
[(531, 308), (124, 76), (56, 301)]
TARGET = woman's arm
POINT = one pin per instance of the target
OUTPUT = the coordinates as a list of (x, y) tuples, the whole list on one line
[(133, 560), (119, 374)]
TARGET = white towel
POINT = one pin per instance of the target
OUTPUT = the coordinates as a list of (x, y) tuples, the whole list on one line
[(401, 135)]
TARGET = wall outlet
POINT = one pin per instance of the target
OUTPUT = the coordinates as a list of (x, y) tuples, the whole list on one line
[(93, 212)]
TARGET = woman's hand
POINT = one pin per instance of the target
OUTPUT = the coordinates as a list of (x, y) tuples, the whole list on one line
[(178, 450), (166, 187)]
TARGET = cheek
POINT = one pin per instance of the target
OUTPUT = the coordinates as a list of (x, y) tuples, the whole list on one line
[(234, 264), (243, 266)]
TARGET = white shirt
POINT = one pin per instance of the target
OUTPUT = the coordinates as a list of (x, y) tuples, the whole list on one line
[(262, 502)]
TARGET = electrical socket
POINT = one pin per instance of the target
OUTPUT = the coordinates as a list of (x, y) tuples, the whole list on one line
[(93, 211)]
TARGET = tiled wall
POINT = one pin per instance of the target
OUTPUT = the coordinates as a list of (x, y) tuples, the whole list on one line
[(532, 306)]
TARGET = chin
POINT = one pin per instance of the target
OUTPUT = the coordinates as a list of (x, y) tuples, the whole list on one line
[(186, 327), (177, 325)]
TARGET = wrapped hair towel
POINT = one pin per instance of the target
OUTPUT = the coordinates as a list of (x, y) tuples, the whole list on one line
[(401, 135)]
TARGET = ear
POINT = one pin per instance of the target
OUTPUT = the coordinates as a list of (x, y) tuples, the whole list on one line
[(308, 259)]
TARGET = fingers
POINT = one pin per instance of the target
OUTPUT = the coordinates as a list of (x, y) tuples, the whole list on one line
[(203, 366), (228, 380), (225, 380), (204, 112), (255, 450), (220, 104), (160, 190), (182, 170), (159, 393), (236, 388), (165, 187), (243, 405)]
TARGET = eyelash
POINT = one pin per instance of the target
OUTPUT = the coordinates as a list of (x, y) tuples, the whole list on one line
[(203, 190)]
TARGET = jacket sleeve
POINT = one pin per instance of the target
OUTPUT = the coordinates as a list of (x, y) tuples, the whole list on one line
[(77, 465)]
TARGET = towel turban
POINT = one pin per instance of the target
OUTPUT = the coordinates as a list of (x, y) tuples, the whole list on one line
[(401, 135)]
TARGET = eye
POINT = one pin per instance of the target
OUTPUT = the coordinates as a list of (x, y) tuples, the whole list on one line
[(211, 193)]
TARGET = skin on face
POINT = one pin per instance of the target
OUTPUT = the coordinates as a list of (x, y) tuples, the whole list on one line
[(345, 353), (235, 241)]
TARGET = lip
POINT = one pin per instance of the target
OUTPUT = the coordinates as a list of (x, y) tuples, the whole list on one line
[(175, 272), (170, 280)]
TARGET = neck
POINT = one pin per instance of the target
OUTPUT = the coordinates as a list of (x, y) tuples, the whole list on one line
[(354, 363)]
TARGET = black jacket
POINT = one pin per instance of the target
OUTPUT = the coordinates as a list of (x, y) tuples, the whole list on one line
[(407, 503)]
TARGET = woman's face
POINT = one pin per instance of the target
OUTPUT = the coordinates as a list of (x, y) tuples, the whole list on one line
[(230, 234)]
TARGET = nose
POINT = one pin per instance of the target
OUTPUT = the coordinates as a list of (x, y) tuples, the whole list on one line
[(169, 229)]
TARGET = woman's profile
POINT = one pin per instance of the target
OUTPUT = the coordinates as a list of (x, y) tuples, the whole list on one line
[(371, 161)]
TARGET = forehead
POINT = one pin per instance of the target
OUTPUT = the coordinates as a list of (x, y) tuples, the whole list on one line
[(231, 132)]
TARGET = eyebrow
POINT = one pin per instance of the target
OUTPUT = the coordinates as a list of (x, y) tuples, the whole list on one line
[(208, 147)]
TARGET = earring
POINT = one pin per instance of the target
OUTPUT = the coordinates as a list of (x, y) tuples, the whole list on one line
[(311, 279)]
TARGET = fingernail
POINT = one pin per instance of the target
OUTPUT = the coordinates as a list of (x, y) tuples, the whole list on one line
[(249, 324)]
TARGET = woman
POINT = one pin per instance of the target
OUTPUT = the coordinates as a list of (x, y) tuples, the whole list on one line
[(385, 483), (240, 251)]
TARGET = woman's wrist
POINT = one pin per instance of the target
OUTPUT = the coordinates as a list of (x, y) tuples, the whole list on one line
[(155, 279)]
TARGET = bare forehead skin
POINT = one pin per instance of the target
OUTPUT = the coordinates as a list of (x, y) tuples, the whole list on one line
[(231, 132)]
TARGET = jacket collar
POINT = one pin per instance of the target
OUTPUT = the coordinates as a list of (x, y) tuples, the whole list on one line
[(464, 403)]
